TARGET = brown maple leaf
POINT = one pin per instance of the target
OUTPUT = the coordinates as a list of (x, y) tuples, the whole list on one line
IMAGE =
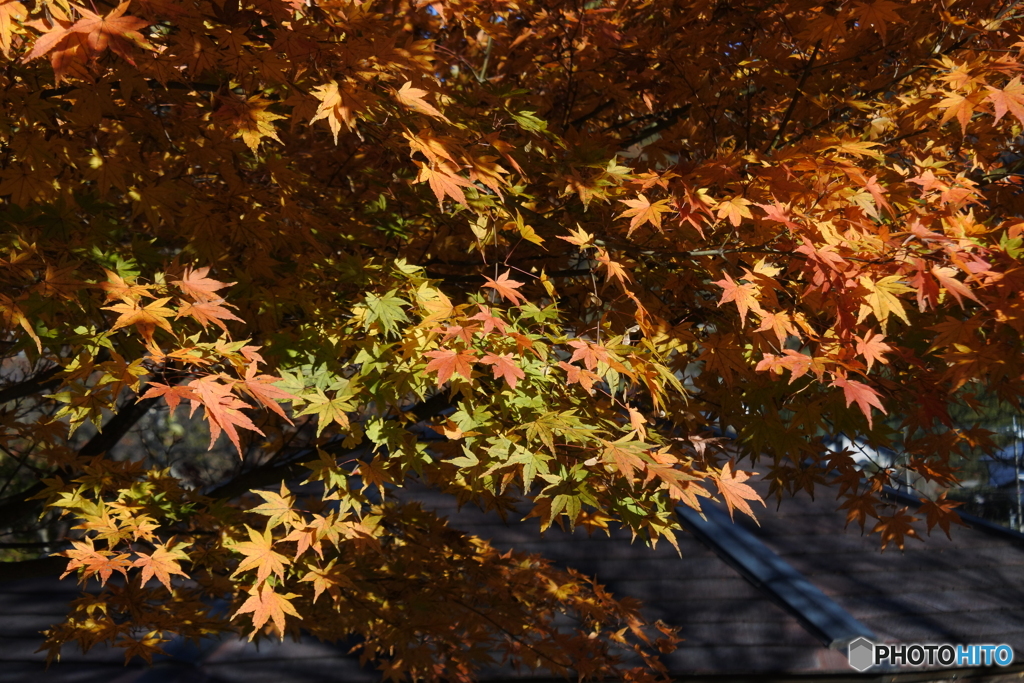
[(895, 528)]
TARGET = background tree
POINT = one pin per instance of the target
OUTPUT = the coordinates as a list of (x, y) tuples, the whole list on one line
[(535, 250)]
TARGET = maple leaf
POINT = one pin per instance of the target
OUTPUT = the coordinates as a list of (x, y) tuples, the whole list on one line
[(624, 456), (172, 394), (448, 362), (895, 528), (162, 562), (507, 288), (144, 647), (642, 211), (102, 562), (735, 210), (591, 354), (114, 31), (195, 283), (490, 321), (504, 366), (413, 98), (877, 15), (1009, 99), (941, 512), (735, 493), (222, 409), (258, 553), (579, 237), (278, 507), (744, 296), (578, 375), (865, 396), (145, 318), (444, 181), (266, 604), (338, 105), (881, 299), (116, 288), (960, 107), (328, 409), (872, 346), (328, 578), (261, 388), (206, 312), (779, 213), (10, 12), (613, 269), (952, 285)]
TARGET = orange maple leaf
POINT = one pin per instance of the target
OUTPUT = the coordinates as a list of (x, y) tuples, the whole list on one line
[(267, 604), (872, 346), (161, 563), (642, 211), (1010, 98), (261, 388), (742, 295), (448, 362), (338, 105), (196, 284), (206, 312), (114, 31), (413, 98), (102, 562), (222, 408), (172, 394), (444, 180), (117, 288), (735, 492), (145, 318), (507, 287), (864, 395), (577, 375), (613, 269), (259, 554), (504, 366), (590, 354)]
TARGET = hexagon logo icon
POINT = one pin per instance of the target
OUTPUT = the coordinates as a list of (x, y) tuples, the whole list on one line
[(861, 654)]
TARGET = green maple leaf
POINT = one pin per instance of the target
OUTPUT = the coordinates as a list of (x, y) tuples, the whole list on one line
[(385, 310)]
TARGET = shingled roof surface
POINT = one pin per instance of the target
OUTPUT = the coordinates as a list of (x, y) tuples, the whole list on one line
[(737, 622)]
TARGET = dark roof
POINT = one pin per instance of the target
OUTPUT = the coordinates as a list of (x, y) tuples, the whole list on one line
[(751, 601)]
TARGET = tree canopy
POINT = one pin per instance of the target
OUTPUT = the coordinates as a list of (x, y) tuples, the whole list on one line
[(595, 258)]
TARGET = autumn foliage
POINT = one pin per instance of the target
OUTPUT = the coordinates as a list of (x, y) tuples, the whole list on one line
[(591, 260)]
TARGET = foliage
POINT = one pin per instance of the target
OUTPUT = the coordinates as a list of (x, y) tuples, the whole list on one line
[(518, 250)]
